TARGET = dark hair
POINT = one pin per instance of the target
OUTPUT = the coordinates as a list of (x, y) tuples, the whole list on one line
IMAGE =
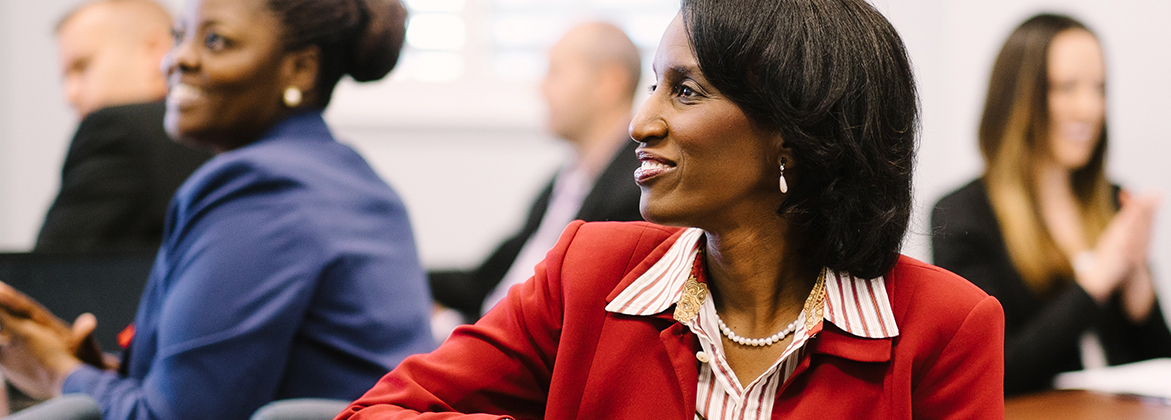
[(361, 38), (832, 77), (1014, 135)]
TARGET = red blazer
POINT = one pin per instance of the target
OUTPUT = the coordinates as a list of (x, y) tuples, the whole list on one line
[(550, 350)]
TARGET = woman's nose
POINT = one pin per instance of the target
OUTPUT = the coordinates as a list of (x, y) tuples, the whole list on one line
[(647, 124), (181, 57), (1091, 102)]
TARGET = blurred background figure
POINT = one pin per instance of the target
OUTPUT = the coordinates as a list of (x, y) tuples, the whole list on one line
[(589, 90), (121, 169), (468, 91), (110, 52), (1043, 230), (289, 267)]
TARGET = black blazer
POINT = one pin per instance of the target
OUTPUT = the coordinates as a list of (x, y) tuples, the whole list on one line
[(118, 178), (1041, 332), (614, 197)]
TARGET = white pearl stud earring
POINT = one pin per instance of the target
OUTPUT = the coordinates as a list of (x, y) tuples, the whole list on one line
[(292, 97)]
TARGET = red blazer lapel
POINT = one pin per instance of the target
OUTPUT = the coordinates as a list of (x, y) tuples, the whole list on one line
[(661, 246), (681, 346)]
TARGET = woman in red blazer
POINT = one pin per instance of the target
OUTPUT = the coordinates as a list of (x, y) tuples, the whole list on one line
[(779, 138)]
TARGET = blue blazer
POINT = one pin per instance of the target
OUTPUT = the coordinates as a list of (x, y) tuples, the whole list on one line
[(288, 269)]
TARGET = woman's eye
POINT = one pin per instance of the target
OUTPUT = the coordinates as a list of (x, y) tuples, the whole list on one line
[(686, 93), (651, 88), (215, 42)]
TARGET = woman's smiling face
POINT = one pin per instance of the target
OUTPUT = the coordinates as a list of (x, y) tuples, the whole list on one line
[(704, 163), (1077, 97), (225, 74)]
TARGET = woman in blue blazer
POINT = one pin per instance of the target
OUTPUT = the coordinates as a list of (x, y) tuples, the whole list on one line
[(288, 268)]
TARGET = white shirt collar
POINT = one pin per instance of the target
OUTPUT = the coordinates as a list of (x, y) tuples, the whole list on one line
[(857, 306)]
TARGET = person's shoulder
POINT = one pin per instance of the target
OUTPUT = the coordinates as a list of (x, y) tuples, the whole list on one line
[(915, 277), (279, 157), (295, 172), (123, 123), (592, 236), (972, 192), (629, 228), (140, 117), (593, 258), (613, 246), (231, 176), (949, 330), (926, 295), (240, 196), (305, 155), (153, 111), (966, 210), (141, 124)]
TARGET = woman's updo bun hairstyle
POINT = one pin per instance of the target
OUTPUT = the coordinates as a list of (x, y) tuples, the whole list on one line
[(360, 38), (376, 52)]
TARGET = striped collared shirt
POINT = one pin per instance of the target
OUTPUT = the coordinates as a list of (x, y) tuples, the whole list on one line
[(857, 306)]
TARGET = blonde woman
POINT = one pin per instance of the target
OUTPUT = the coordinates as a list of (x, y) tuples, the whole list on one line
[(1043, 231)]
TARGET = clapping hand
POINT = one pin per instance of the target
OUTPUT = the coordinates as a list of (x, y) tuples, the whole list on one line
[(1119, 259), (1144, 206), (37, 349)]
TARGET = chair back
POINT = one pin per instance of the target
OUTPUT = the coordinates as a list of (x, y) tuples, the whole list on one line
[(301, 409)]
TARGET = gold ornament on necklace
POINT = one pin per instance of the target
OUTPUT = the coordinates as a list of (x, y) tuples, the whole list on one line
[(694, 293)]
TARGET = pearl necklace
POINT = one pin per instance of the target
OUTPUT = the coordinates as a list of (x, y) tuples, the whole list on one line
[(759, 342)]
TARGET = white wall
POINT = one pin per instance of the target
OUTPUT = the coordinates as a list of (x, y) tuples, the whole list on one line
[(34, 122), (468, 157)]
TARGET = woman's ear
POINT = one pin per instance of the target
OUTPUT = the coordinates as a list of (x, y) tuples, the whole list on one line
[(300, 69), (782, 151)]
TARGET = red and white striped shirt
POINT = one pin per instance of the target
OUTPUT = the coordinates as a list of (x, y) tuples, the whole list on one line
[(857, 306)]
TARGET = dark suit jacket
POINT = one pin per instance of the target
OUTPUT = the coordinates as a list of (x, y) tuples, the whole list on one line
[(614, 197), (118, 177), (1041, 332), (551, 350)]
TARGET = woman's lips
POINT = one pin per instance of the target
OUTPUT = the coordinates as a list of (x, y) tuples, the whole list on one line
[(652, 166), (1078, 132), (182, 95)]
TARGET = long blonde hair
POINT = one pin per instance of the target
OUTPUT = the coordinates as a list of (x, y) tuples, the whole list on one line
[(1014, 135)]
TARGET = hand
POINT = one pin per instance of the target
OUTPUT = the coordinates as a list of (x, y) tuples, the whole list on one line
[(1122, 247), (1147, 205), (37, 349), (1138, 291)]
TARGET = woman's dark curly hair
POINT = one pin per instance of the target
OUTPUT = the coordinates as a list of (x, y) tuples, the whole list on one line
[(832, 77), (361, 38)]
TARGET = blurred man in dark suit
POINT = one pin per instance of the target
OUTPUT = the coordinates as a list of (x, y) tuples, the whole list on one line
[(121, 169), (589, 89)]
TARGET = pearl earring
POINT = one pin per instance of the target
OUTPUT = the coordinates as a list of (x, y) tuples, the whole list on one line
[(292, 97), (784, 185)]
